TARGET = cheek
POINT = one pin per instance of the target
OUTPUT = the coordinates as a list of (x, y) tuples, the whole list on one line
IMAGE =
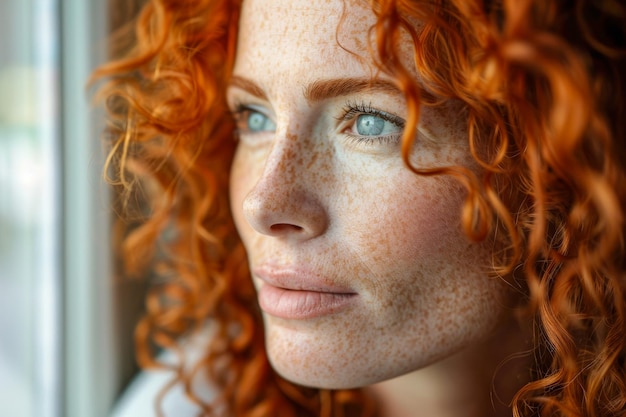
[(415, 221), (241, 182), (422, 265)]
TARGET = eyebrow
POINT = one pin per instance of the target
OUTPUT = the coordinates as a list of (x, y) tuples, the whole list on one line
[(325, 89), (247, 85)]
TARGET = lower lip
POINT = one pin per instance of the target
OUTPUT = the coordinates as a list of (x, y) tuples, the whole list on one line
[(300, 304)]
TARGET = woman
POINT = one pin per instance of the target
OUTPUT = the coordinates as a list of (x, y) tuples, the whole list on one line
[(430, 195)]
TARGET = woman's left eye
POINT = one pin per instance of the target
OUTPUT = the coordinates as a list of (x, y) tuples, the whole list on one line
[(372, 125), (367, 124)]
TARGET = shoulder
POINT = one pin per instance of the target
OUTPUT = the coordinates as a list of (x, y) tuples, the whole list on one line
[(139, 398)]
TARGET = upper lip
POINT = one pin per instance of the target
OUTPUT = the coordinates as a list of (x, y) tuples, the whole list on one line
[(298, 279)]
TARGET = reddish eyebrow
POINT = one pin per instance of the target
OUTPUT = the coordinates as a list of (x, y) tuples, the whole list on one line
[(324, 89), (247, 85)]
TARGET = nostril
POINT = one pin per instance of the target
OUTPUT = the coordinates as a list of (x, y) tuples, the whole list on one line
[(296, 213), (285, 227)]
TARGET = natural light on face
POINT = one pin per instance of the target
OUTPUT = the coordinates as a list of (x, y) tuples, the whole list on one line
[(362, 269)]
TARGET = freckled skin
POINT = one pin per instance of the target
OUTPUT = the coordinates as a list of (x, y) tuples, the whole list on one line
[(304, 195)]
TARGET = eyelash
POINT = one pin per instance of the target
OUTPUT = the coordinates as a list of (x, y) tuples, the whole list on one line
[(351, 110), (239, 109)]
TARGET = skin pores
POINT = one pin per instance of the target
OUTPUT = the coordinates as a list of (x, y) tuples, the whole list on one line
[(361, 266)]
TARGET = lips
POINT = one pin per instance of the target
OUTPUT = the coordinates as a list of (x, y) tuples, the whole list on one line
[(298, 294)]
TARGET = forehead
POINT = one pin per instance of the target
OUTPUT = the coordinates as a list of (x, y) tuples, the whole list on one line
[(293, 35)]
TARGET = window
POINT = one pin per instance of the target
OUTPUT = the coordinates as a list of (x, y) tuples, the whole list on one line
[(65, 319), (30, 204)]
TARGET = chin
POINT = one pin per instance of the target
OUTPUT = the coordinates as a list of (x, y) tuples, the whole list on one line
[(313, 366), (306, 378)]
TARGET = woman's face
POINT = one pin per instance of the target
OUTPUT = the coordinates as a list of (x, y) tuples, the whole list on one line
[(362, 270)]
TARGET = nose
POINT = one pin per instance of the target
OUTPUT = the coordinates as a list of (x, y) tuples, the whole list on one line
[(285, 201)]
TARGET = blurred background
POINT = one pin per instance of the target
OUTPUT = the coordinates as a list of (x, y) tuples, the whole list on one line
[(66, 316)]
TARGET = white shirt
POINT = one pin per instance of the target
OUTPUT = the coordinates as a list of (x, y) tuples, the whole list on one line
[(139, 398)]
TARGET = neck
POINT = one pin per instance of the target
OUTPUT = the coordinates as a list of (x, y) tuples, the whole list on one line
[(476, 382)]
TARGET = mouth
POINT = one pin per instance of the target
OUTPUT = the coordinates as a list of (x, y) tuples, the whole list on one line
[(299, 295)]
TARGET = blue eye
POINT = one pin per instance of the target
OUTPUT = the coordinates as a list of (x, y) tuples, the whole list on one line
[(258, 122), (369, 123), (249, 120)]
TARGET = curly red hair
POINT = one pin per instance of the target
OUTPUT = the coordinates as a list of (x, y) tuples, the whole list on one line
[(543, 85)]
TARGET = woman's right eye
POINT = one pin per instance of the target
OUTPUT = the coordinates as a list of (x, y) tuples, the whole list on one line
[(250, 120)]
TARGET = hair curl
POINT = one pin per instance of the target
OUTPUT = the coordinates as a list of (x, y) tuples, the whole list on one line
[(543, 85)]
